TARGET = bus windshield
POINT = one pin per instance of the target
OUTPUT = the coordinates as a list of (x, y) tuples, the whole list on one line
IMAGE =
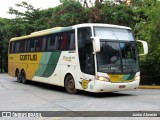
[(114, 33), (118, 53)]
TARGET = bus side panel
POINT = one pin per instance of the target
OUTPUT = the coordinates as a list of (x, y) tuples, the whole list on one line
[(68, 62), (85, 82), (55, 77), (28, 62), (49, 68), (14, 63), (11, 65)]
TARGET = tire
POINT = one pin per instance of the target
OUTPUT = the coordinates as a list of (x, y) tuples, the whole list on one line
[(19, 79), (70, 85), (23, 77)]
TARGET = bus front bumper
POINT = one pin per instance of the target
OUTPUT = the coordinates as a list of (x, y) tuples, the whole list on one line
[(101, 86)]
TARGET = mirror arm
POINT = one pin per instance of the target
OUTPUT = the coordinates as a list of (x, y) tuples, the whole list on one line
[(96, 44), (145, 47)]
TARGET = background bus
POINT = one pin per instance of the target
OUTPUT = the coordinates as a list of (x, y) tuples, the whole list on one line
[(90, 57)]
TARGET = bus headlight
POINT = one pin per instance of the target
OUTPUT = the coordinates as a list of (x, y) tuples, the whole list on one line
[(137, 78), (106, 79)]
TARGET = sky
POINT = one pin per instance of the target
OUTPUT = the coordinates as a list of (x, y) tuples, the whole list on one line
[(43, 4)]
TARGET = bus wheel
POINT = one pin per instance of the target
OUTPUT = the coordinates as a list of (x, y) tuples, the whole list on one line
[(70, 85), (19, 79), (23, 76)]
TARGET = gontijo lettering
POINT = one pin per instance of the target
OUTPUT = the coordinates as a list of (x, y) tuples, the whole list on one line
[(28, 57)]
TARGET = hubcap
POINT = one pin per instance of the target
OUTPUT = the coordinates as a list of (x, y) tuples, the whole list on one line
[(71, 84)]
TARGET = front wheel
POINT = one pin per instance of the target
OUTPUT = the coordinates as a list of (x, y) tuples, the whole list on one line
[(70, 85)]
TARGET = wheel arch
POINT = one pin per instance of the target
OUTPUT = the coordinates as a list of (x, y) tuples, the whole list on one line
[(70, 84), (17, 70), (67, 74), (23, 70)]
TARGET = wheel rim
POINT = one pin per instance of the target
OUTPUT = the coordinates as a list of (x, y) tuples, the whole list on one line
[(71, 84), (18, 77), (17, 74), (23, 77)]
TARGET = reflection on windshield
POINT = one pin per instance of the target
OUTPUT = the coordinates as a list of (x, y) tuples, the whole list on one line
[(117, 57), (114, 33)]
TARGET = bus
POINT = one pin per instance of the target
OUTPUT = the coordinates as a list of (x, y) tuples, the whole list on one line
[(90, 56)]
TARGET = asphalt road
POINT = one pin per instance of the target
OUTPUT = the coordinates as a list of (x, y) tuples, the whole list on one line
[(34, 96)]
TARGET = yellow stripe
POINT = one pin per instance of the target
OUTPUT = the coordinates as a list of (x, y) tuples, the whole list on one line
[(149, 87), (30, 66), (37, 34)]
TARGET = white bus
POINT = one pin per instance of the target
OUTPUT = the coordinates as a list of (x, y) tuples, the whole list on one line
[(89, 57)]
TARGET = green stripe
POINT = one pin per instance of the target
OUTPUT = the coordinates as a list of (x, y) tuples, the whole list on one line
[(48, 64), (63, 29), (128, 77), (43, 64), (131, 76)]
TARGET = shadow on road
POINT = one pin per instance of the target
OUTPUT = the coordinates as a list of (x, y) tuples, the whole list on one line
[(80, 92), (103, 95)]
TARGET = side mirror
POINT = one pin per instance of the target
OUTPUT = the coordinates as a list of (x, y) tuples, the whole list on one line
[(96, 44), (145, 47)]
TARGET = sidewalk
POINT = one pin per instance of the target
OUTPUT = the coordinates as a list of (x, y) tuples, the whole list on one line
[(148, 87)]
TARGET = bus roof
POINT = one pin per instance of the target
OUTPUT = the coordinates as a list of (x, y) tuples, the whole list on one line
[(43, 32), (61, 29), (100, 25)]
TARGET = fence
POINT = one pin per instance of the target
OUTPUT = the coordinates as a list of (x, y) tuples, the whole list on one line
[(150, 80)]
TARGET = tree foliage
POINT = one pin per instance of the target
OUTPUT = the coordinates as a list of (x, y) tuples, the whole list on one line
[(148, 28), (68, 13)]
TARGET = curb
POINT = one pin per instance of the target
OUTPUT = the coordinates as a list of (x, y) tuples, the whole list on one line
[(149, 87)]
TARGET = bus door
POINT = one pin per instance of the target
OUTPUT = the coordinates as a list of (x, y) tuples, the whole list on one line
[(86, 57)]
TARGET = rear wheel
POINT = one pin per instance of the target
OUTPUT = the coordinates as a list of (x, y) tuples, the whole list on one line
[(70, 85), (19, 79), (23, 77)]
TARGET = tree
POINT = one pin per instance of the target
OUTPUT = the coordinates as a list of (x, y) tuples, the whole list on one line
[(33, 19), (68, 13), (148, 28), (118, 14), (3, 44), (24, 23)]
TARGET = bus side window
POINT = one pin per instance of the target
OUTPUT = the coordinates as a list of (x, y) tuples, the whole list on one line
[(22, 46), (57, 39), (31, 45), (71, 42), (39, 43), (51, 42), (11, 49), (17, 45), (64, 41), (44, 43)]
